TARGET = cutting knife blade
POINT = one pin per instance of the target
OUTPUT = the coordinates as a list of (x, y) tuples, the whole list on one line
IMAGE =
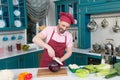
[(58, 60)]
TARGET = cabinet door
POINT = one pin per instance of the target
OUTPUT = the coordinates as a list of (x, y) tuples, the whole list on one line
[(4, 14), (95, 60), (13, 15), (28, 61), (19, 14), (13, 62), (80, 59), (70, 6), (31, 60), (2, 64), (69, 60), (59, 7)]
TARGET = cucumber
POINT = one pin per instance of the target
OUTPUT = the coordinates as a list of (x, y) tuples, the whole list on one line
[(111, 75)]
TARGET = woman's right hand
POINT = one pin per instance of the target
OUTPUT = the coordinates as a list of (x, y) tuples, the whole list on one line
[(51, 51)]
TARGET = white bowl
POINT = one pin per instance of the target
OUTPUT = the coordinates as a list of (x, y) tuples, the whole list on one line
[(18, 23), (17, 13), (1, 12), (15, 2), (2, 24)]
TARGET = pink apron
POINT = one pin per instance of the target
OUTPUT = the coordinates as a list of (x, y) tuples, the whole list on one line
[(59, 48)]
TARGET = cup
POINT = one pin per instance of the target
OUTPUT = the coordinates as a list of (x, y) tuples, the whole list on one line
[(18, 46), (10, 48)]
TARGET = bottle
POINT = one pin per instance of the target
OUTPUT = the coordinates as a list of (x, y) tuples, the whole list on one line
[(103, 59), (114, 60), (1, 49)]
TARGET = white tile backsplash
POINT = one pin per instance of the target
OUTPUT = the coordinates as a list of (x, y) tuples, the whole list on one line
[(102, 34), (9, 42)]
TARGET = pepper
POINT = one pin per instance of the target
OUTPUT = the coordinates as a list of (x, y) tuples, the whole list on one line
[(21, 76), (28, 76)]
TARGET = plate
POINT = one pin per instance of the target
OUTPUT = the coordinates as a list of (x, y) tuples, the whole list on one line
[(17, 13), (15, 2), (2, 24), (1, 12), (18, 23)]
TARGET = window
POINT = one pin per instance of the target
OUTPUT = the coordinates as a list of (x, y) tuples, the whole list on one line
[(32, 29)]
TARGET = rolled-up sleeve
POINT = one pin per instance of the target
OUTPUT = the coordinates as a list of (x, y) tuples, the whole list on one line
[(69, 41)]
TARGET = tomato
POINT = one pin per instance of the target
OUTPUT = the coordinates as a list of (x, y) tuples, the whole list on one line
[(28, 76)]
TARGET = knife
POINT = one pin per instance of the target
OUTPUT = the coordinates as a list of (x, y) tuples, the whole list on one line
[(57, 60)]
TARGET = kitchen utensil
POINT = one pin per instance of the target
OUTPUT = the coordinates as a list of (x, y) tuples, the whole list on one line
[(75, 35), (96, 46), (57, 60), (104, 23), (92, 26), (47, 73), (117, 49), (116, 27)]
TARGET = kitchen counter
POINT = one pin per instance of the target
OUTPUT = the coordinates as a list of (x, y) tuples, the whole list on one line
[(70, 76), (16, 53)]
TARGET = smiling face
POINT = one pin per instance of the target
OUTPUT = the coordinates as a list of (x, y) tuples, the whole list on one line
[(62, 26)]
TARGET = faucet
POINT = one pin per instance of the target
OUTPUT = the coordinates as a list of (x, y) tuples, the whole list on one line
[(108, 53)]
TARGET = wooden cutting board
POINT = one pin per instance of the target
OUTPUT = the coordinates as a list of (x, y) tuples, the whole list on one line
[(48, 73)]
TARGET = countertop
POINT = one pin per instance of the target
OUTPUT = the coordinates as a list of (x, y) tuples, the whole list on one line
[(70, 76), (16, 53)]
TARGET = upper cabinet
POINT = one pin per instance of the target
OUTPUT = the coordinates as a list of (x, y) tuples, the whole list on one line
[(13, 15), (95, 1), (70, 6)]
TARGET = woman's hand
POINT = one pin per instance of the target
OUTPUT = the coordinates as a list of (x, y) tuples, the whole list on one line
[(51, 51)]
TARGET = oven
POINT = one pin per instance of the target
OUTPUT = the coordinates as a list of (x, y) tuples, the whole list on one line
[(94, 60)]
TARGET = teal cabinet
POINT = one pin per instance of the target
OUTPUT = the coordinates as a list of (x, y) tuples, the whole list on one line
[(13, 62), (2, 64), (103, 8), (13, 15), (118, 60), (29, 60), (70, 6), (10, 63), (85, 11), (90, 2), (70, 60), (79, 59), (92, 59)]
